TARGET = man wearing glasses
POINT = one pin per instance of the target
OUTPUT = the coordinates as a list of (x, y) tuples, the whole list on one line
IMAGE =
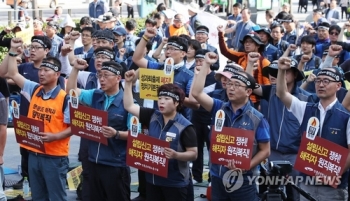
[(109, 177), (239, 113), (332, 116), (334, 31), (38, 50)]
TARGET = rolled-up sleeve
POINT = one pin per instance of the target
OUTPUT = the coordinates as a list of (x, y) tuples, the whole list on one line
[(263, 131)]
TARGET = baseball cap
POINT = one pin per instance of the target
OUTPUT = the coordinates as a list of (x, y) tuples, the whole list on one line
[(107, 17), (202, 28), (265, 30), (201, 53), (228, 71), (247, 79), (53, 24), (120, 31)]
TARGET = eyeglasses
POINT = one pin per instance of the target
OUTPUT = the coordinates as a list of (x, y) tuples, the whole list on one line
[(35, 48), (234, 85), (104, 76), (334, 33), (325, 81)]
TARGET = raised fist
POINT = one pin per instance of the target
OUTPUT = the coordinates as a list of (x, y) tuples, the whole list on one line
[(130, 76), (253, 57), (80, 64), (334, 50), (211, 57), (66, 49), (305, 58), (150, 32), (16, 45), (284, 63), (221, 28), (74, 35), (122, 51), (165, 41), (292, 47)]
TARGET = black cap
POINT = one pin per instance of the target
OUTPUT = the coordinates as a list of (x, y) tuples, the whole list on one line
[(53, 24), (201, 27), (246, 79), (201, 53), (272, 69), (254, 37), (265, 30)]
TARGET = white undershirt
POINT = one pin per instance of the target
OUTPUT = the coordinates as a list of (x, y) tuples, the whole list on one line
[(298, 109)]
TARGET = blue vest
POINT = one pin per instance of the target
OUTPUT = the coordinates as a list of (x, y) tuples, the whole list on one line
[(290, 37), (115, 153), (230, 36), (178, 171), (219, 94), (312, 64), (56, 46), (100, 9), (92, 81), (270, 52), (285, 135), (248, 120), (281, 46), (336, 119), (242, 29)]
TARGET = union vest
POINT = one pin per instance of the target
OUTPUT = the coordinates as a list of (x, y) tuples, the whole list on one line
[(285, 135), (51, 112), (178, 171), (115, 153), (336, 120), (248, 120)]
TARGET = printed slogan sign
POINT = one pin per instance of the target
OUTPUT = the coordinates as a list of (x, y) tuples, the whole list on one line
[(147, 154), (151, 80), (231, 143), (27, 132), (73, 178), (87, 123), (320, 157)]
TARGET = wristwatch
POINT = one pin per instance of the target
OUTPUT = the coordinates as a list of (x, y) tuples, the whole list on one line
[(11, 54), (117, 136)]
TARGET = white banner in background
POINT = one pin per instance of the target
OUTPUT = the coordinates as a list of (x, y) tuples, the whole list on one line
[(209, 20)]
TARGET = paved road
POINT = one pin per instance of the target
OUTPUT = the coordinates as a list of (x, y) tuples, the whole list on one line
[(12, 160)]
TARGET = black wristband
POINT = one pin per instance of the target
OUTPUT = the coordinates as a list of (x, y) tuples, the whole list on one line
[(11, 54)]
